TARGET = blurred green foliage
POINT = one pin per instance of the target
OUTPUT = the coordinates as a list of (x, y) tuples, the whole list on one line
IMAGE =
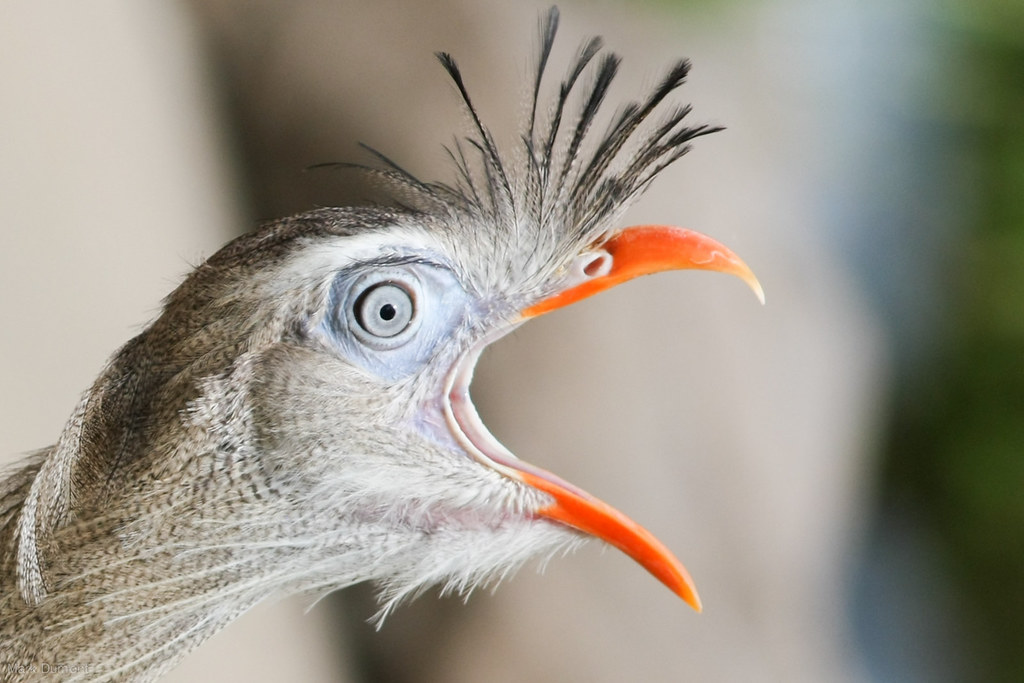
[(957, 447)]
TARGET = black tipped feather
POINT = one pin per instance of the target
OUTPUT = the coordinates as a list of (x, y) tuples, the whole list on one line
[(497, 181), (548, 30)]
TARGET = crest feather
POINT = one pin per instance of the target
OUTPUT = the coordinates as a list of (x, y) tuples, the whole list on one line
[(570, 179)]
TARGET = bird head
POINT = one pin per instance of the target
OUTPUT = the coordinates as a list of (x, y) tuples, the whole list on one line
[(299, 417), (360, 401)]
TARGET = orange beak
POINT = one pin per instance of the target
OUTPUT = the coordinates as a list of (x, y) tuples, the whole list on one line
[(635, 251), (648, 249)]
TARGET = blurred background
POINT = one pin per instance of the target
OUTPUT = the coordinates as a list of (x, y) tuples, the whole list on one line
[(842, 470)]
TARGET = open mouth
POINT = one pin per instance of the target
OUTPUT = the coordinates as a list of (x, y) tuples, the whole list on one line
[(569, 504), (632, 252)]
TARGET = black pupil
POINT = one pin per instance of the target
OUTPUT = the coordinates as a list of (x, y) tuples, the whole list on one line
[(387, 312)]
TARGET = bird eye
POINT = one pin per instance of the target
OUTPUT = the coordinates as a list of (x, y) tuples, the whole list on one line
[(389, 319), (385, 310), (382, 308)]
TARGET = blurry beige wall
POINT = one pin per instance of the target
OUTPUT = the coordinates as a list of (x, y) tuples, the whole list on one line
[(114, 178), (740, 435)]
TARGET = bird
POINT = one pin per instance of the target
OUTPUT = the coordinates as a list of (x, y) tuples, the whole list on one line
[(298, 417)]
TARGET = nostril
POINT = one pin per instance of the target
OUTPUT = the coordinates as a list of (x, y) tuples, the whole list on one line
[(599, 264)]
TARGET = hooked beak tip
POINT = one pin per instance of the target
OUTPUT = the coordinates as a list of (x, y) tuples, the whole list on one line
[(753, 283), (578, 509)]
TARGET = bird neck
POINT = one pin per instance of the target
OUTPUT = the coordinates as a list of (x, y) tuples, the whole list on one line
[(129, 594)]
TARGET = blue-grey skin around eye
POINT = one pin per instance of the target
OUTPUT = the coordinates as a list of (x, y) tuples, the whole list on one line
[(440, 305)]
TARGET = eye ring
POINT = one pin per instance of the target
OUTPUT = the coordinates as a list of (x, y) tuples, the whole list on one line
[(383, 310)]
